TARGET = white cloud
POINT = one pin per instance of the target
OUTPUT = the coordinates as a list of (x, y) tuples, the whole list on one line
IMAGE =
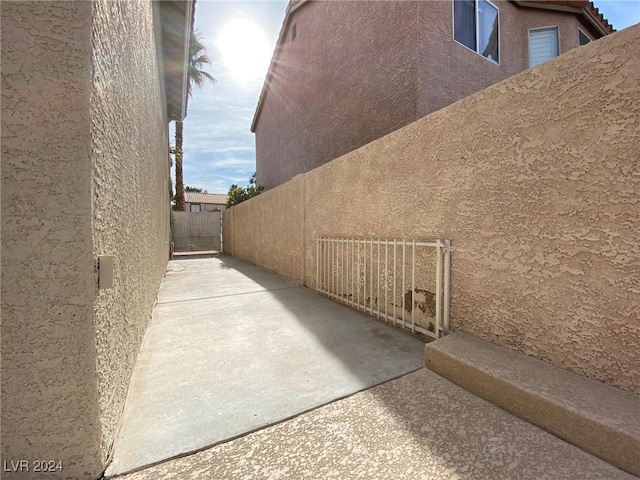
[(219, 148)]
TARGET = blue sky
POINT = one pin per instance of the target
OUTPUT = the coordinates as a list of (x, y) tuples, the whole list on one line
[(219, 148)]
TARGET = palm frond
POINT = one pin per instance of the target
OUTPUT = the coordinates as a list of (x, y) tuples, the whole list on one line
[(198, 59)]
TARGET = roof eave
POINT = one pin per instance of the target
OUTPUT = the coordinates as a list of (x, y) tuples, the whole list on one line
[(177, 26), (584, 8)]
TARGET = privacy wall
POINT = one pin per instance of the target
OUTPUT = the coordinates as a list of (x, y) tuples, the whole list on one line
[(84, 174), (535, 180)]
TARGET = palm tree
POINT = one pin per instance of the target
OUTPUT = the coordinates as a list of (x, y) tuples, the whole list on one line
[(198, 59)]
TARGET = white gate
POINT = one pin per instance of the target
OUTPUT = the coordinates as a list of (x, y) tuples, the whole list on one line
[(405, 282)]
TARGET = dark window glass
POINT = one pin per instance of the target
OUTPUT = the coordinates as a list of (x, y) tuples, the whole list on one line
[(464, 22), (488, 30), (583, 38)]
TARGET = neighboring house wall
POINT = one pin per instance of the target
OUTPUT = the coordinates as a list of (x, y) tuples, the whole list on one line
[(207, 202), (357, 71), (322, 100), (537, 189), (84, 173), (449, 71), (206, 207)]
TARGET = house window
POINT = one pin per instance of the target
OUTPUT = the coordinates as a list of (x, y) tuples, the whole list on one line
[(195, 207), (582, 38), (543, 45), (476, 26), (294, 31)]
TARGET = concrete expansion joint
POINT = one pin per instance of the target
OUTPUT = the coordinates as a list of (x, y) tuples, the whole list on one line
[(227, 295)]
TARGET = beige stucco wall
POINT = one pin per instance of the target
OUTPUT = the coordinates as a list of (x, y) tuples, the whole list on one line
[(130, 192), (227, 232), (84, 168), (361, 70), (348, 62), (279, 239), (536, 181), (49, 381)]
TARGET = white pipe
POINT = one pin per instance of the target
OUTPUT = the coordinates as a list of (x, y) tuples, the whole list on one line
[(378, 301), (438, 290), (413, 288), (404, 306), (447, 284), (371, 277)]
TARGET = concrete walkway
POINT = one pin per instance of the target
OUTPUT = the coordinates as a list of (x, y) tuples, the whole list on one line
[(233, 348), (418, 427)]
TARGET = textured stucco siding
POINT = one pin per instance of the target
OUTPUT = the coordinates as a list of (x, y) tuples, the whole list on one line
[(49, 388), (129, 191), (227, 232), (319, 85), (536, 181), (448, 71), (357, 71), (84, 174), (279, 239)]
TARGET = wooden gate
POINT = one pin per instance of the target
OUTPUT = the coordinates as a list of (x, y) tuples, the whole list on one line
[(196, 231)]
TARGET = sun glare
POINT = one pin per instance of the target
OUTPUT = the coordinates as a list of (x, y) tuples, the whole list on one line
[(244, 50)]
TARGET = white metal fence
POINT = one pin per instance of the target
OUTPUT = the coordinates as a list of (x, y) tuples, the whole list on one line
[(405, 282)]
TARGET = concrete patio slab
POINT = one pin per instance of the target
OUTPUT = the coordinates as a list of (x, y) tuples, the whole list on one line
[(233, 348), (418, 427)]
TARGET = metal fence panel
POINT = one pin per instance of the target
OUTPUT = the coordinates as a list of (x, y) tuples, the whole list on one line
[(373, 275)]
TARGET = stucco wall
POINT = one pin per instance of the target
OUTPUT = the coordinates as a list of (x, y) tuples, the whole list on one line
[(357, 71), (49, 383), (449, 71), (279, 239), (84, 173), (319, 80), (129, 191), (536, 181), (228, 238)]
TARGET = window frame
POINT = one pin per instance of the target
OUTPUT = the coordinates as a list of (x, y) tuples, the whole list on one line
[(580, 31), (453, 30), (191, 205), (549, 27)]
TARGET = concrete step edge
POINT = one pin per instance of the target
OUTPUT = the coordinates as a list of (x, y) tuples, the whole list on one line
[(589, 432)]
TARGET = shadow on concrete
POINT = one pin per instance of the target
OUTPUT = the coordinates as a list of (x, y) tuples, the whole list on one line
[(233, 348), (461, 432), (205, 377)]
